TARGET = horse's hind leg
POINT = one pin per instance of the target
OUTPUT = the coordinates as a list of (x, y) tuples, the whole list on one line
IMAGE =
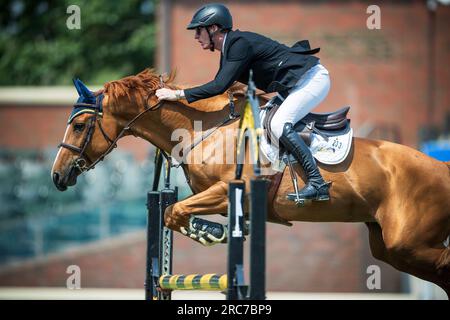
[(444, 268), (430, 264), (417, 241), (214, 200)]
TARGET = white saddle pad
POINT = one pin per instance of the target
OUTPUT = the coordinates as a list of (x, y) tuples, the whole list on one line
[(333, 151)]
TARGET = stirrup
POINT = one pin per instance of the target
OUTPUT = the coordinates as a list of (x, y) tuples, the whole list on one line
[(301, 201)]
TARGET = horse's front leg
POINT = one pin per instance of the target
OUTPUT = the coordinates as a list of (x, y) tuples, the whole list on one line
[(180, 216)]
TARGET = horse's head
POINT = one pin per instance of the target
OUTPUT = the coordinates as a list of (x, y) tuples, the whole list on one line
[(89, 135), (99, 120)]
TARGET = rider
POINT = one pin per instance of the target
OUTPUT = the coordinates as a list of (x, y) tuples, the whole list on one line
[(299, 78)]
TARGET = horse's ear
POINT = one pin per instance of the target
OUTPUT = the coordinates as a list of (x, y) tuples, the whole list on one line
[(76, 84), (83, 90)]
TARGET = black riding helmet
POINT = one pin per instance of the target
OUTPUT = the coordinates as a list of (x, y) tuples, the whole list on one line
[(214, 13), (209, 15)]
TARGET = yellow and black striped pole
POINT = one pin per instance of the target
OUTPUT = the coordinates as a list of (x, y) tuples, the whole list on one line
[(210, 282)]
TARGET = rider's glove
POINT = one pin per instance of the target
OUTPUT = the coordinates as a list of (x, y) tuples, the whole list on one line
[(169, 94)]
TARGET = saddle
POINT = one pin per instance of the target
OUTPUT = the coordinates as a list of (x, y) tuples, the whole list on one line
[(325, 124)]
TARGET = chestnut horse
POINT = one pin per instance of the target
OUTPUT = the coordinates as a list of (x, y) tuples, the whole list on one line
[(401, 194)]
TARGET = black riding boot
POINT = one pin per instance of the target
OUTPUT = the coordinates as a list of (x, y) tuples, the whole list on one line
[(316, 188)]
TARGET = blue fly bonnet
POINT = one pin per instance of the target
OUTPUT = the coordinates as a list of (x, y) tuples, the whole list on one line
[(87, 102)]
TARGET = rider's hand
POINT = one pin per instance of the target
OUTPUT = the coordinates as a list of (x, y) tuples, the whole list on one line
[(168, 94)]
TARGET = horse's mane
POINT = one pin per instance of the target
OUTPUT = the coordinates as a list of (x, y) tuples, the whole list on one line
[(139, 86)]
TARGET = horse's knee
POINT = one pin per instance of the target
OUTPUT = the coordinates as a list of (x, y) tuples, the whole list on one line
[(175, 216), (168, 219)]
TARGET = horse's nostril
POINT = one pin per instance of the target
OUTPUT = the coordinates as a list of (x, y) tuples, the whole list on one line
[(55, 178), (58, 184)]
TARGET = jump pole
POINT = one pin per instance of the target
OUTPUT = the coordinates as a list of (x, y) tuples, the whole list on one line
[(258, 217), (159, 242), (159, 278), (236, 289)]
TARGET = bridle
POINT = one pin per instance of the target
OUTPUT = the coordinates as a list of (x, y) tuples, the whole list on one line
[(82, 160)]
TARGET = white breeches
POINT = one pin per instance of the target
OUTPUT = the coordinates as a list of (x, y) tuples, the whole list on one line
[(309, 91)]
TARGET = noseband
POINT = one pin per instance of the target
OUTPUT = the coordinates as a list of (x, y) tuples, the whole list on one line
[(82, 160)]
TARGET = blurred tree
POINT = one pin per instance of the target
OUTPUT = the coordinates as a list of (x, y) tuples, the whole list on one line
[(116, 38)]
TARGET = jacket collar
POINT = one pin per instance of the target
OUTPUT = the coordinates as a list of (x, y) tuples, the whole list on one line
[(231, 35), (224, 41)]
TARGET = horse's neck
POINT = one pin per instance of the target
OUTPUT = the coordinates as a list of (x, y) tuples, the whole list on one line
[(173, 120)]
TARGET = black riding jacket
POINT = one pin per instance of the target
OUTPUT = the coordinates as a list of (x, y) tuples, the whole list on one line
[(276, 67)]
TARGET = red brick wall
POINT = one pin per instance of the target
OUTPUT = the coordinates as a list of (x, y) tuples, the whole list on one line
[(299, 259), (442, 72), (41, 127), (110, 263), (32, 126)]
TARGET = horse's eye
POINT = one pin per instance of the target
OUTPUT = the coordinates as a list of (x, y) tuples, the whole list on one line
[(79, 127)]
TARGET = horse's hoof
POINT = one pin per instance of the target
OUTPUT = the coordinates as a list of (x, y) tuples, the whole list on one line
[(213, 230)]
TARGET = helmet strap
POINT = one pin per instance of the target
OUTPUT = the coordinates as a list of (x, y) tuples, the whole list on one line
[(211, 42)]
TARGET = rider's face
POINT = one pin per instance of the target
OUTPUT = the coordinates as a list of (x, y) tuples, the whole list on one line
[(202, 36)]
